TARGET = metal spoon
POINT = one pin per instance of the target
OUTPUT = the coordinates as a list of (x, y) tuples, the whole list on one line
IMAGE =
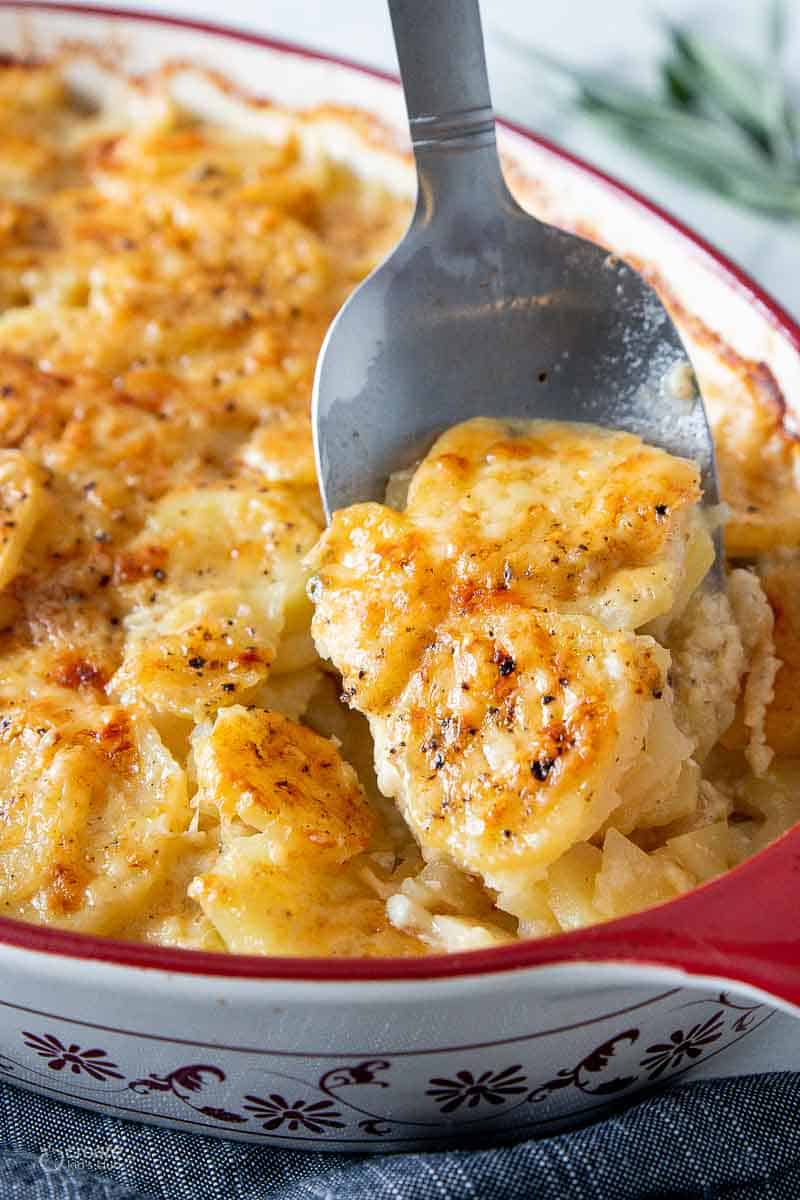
[(483, 310)]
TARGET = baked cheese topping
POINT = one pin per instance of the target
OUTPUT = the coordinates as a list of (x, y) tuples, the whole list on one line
[(566, 726), (510, 721), (546, 678), (165, 284), (610, 528)]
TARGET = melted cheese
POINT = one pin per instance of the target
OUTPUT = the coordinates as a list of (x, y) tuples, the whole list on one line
[(473, 630), (515, 737), (297, 820), (95, 811), (164, 288), (260, 909), (20, 505), (165, 284), (610, 527), (281, 778)]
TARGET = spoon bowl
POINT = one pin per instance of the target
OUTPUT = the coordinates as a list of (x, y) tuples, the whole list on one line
[(482, 310)]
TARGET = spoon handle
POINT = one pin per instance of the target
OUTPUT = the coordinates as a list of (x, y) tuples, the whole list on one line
[(443, 67)]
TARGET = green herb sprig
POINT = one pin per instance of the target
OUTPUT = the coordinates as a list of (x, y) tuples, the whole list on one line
[(721, 120)]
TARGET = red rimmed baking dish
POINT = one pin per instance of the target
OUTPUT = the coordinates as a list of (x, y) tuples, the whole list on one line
[(362, 1054)]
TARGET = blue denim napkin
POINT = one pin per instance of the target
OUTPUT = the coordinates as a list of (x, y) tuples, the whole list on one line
[(736, 1138)]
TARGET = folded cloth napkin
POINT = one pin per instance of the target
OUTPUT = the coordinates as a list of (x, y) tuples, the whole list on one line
[(735, 1138)]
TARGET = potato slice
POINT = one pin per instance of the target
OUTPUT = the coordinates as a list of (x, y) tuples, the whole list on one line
[(95, 813), (259, 908), (377, 595), (20, 506), (210, 650), (583, 518), (289, 878), (630, 879), (514, 737), (263, 770), (571, 886)]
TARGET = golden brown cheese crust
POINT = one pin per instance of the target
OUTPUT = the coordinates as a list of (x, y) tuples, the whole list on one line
[(164, 289), (512, 739), (20, 506), (94, 811), (602, 530), (291, 876), (213, 580), (283, 779), (378, 594), (510, 721), (570, 516)]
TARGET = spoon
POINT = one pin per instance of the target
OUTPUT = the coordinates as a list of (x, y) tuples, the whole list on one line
[(482, 310)]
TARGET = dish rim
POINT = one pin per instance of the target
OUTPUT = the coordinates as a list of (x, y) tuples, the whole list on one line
[(562, 948)]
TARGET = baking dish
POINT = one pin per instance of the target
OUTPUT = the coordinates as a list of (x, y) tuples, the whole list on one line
[(373, 1054)]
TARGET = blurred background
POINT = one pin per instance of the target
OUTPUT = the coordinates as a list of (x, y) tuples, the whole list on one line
[(733, 174)]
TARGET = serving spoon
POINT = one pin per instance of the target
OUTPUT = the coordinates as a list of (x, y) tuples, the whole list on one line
[(482, 310)]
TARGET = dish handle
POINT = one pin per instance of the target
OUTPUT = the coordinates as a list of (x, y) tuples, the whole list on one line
[(743, 927)]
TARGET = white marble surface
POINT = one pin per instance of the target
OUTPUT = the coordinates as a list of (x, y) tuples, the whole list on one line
[(623, 34)]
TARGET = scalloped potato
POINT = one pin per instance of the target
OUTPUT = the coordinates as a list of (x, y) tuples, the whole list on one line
[(565, 725), (611, 528), (522, 714)]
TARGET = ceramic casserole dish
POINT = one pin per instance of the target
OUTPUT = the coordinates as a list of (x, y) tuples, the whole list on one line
[(360, 1055)]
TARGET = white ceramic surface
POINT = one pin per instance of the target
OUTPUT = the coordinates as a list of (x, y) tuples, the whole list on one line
[(369, 1064), (363, 1066)]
